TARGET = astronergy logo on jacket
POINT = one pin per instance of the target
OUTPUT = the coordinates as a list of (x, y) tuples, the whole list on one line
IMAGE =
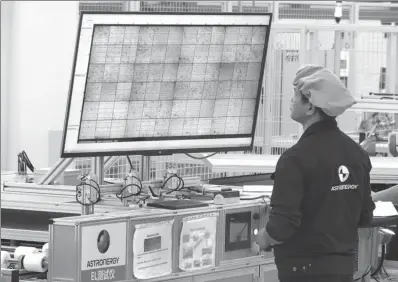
[(344, 174), (344, 187)]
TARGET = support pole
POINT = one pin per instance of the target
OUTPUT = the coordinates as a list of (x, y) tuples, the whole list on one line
[(145, 168), (98, 175), (337, 52), (99, 169), (392, 66)]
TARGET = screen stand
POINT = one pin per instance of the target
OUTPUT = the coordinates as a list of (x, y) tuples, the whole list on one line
[(53, 174), (98, 169), (62, 164), (145, 172), (99, 166)]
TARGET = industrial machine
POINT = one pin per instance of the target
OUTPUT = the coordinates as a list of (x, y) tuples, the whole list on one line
[(147, 84), (209, 243)]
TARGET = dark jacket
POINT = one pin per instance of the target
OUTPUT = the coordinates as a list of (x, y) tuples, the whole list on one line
[(321, 196)]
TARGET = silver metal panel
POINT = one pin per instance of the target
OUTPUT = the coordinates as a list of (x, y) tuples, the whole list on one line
[(375, 247), (365, 246), (63, 256), (78, 252), (148, 213), (263, 222), (24, 235), (58, 190), (268, 273), (237, 275), (67, 242), (129, 258), (186, 279), (258, 267), (50, 252), (53, 206)]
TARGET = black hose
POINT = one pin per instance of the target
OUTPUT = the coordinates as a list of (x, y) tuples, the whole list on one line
[(378, 268)]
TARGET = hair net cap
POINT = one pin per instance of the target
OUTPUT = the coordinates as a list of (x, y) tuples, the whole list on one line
[(323, 89)]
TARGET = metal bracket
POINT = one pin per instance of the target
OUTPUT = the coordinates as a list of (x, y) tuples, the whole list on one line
[(53, 174), (392, 144), (63, 164)]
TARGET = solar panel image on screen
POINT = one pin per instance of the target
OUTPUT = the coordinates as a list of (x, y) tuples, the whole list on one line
[(164, 82), (171, 81)]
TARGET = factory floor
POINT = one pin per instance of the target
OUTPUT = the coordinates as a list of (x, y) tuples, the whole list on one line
[(389, 272)]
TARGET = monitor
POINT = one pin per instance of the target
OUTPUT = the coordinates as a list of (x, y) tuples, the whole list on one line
[(150, 83)]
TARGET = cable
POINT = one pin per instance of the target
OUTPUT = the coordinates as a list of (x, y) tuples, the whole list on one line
[(379, 267), (201, 158), (386, 274), (143, 199), (27, 161), (130, 163), (152, 192), (364, 275), (239, 235), (120, 195), (179, 187)]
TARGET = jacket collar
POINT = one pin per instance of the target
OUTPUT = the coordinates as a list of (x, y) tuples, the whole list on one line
[(321, 126)]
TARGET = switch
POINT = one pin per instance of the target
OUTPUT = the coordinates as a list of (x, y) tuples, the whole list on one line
[(256, 216)]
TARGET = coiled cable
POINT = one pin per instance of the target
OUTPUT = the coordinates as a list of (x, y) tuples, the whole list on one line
[(120, 195)]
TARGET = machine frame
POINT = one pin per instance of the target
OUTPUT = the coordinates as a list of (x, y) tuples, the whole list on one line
[(67, 231)]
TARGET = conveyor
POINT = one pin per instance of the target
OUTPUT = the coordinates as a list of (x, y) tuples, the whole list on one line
[(239, 259), (60, 200), (235, 258), (28, 208)]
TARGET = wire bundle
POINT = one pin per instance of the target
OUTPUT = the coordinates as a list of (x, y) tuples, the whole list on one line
[(179, 187), (120, 195)]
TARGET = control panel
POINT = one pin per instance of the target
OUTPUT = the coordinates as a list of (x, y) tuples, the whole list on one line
[(241, 228)]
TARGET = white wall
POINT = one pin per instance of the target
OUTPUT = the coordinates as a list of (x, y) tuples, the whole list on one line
[(38, 70), (6, 26)]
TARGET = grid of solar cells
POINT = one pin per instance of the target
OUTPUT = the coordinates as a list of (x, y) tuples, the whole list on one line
[(171, 81)]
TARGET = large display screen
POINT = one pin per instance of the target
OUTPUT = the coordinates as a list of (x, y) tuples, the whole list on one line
[(168, 83)]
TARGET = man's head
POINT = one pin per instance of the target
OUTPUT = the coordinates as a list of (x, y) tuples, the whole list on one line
[(303, 111), (318, 95)]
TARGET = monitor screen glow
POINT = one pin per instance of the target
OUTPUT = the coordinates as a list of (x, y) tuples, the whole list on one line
[(156, 84)]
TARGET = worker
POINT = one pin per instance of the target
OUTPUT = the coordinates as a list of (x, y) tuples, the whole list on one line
[(321, 191)]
